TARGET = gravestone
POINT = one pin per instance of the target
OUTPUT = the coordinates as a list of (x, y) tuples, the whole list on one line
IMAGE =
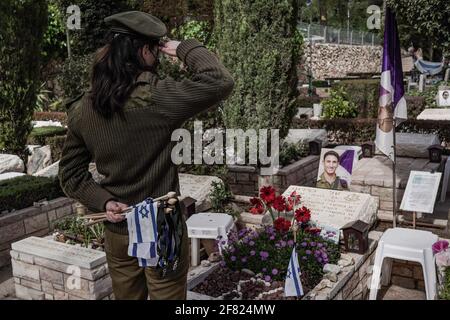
[(39, 159), (11, 163), (61, 252), (10, 175), (336, 208), (303, 136), (435, 114), (415, 145), (49, 172), (197, 187)]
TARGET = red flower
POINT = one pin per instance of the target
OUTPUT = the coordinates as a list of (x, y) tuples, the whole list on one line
[(279, 204), (303, 215), (281, 224), (257, 206), (295, 197), (313, 230), (267, 194), (289, 205)]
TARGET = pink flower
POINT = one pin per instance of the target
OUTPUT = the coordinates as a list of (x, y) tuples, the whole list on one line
[(440, 246), (443, 259)]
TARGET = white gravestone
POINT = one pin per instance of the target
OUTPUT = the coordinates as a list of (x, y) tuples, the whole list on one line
[(61, 252), (303, 136), (336, 208), (197, 187), (415, 145), (435, 114)]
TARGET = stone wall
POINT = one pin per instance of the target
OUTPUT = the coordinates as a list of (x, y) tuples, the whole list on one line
[(32, 221), (246, 180), (44, 269), (336, 60)]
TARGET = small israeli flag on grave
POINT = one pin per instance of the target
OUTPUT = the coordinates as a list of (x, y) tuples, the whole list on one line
[(293, 285)]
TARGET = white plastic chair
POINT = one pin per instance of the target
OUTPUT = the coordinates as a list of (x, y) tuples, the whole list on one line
[(405, 244)]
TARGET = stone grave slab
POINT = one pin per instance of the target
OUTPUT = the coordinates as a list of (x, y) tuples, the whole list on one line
[(10, 175), (197, 187), (336, 208), (298, 136), (11, 163), (49, 172), (415, 144), (61, 252), (435, 114)]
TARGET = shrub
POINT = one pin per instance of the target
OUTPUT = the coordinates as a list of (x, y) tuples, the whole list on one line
[(22, 192), (75, 231), (337, 106), (260, 45), (220, 195), (429, 94), (38, 135), (415, 105), (54, 45), (307, 102), (75, 75), (290, 152), (56, 144), (445, 292), (22, 26), (363, 94)]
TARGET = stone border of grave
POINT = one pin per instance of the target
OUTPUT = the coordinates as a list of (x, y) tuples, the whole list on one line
[(349, 283), (31, 221), (44, 269), (247, 180)]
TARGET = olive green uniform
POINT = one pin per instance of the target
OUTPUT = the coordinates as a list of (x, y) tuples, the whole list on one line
[(134, 155), (338, 184)]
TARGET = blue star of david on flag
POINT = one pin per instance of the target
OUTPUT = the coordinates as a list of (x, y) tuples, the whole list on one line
[(293, 285), (144, 212)]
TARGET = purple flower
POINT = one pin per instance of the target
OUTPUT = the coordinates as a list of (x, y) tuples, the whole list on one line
[(252, 253), (283, 244), (308, 252), (274, 272), (272, 238), (324, 255), (232, 249), (222, 263), (304, 244), (223, 242), (319, 245), (312, 244), (264, 255), (267, 278), (233, 258), (251, 243), (439, 246), (319, 259), (244, 260), (290, 243), (277, 245), (304, 258), (264, 269), (245, 240)]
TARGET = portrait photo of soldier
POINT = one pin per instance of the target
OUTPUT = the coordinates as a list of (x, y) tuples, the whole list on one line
[(329, 178)]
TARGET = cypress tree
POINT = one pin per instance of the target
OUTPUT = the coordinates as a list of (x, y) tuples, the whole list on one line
[(259, 43)]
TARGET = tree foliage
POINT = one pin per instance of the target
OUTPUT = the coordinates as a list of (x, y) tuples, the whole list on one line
[(259, 43), (22, 26), (424, 21)]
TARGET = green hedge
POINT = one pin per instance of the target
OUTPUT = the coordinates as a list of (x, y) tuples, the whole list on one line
[(22, 192), (358, 131), (307, 102), (39, 135), (54, 116)]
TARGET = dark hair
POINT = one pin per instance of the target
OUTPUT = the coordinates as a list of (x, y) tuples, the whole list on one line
[(115, 69), (331, 153)]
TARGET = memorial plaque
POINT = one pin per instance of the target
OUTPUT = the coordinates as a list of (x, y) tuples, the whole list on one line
[(435, 114), (197, 187), (336, 208), (58, 251), (421, 190)]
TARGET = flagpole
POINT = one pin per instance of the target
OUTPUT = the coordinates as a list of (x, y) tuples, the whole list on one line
[(394, 178)]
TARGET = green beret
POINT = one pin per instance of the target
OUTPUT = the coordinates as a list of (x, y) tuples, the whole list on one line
[(137, 23)]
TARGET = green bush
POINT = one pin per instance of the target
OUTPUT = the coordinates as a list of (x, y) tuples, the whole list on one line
[(415, 105), (54, 46), (22, 26), (75, 75), (338, 106), (429, 94), (307, 102), (362, 93), (56, 144), (22, 192), (220, 195), (38, 135), (290, 152), (445, 292), (260, 45)]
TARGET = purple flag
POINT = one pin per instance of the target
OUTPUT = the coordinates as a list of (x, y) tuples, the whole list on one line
[(346, 160), (392, 103)]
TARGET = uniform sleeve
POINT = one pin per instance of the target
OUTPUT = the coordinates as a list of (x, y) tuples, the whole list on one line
[(74, 176), (210, 83)]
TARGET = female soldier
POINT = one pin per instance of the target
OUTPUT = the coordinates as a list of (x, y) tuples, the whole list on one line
[(124, 125)]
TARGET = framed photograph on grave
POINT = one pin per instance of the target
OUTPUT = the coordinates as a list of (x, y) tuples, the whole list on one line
[(335, 168), (421, 191), (444, 97)]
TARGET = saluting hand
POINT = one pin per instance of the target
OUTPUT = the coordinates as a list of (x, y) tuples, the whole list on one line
[(170, 48), (113, 208)]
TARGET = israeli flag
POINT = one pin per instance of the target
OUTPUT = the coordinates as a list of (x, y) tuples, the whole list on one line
[(293, 285)]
